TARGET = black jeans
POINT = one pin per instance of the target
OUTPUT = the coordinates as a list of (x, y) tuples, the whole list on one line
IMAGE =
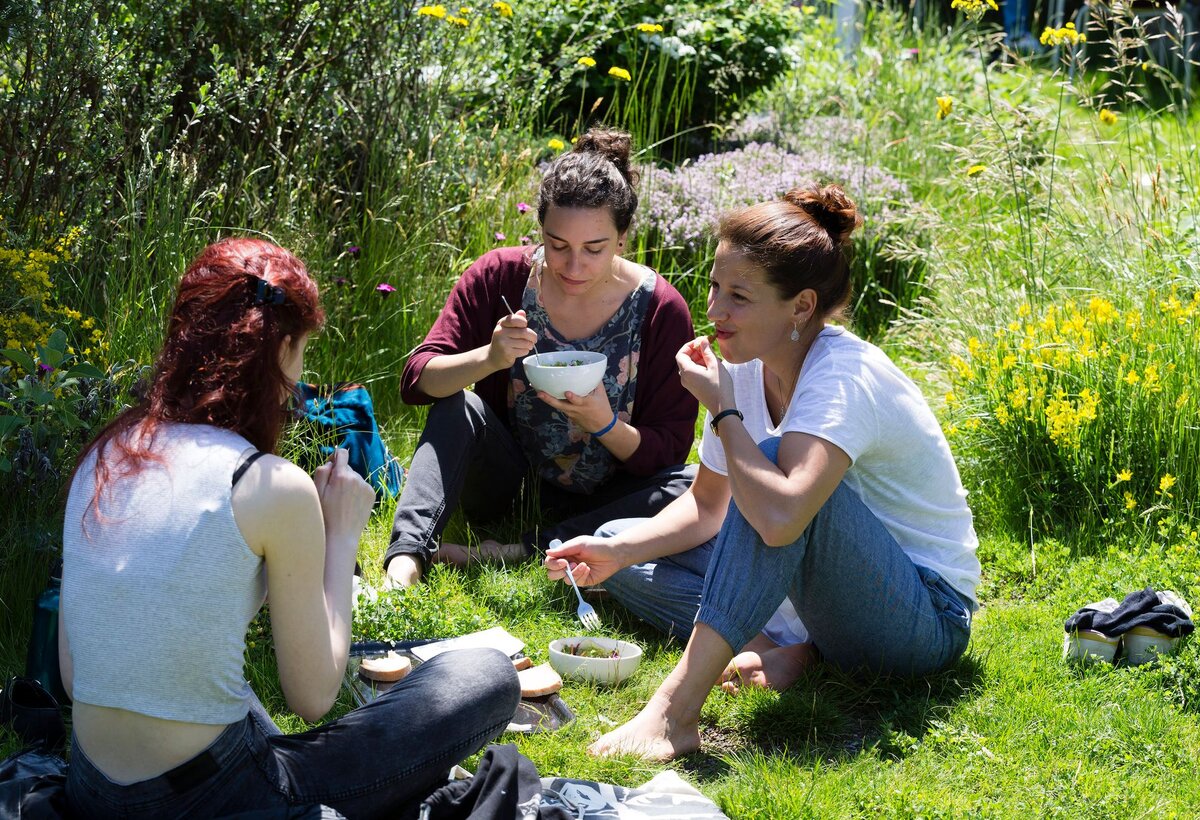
[(380, 760), (466, 455)]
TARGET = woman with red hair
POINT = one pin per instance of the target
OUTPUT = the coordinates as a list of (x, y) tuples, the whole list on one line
[(179, 522)]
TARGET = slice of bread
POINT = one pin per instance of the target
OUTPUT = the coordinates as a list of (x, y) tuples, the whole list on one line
[(391, 667), (539, 681), (523, 662)]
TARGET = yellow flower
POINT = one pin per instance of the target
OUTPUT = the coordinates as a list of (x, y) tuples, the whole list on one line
[(945, 106), (1124, 475), (1166, 483), (1130, 503), (808, 9), (976, 170), (620, 74), (1131, 377), (974, 9), (556, 144), (504, 8), (1057, 36), (464, 10), (587, 61), (1108, 117), (649, 28), (458, 21), (432, 11)]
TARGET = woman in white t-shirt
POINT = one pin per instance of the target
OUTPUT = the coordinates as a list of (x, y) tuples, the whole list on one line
[(849, 538)]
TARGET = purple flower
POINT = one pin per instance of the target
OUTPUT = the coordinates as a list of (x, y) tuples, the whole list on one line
[(500, 237), (45, 368), (353, 250), (525, 240), (385, 288), (682, 205), (341, 281), (523, 207)]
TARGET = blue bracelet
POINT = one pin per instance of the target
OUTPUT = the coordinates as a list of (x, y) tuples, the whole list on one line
[(610, 426)]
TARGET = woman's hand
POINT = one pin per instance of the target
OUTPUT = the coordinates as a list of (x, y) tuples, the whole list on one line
[(346, 500), (592, 560), (590, 413), (704, 375), (511, 339)]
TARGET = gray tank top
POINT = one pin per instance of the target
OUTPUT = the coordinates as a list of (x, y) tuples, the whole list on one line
[(159, 589)]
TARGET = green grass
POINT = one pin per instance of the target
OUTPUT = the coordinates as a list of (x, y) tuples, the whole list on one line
[(1068, 206)]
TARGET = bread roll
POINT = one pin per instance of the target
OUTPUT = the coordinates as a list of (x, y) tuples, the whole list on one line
[(539, 681), (391, 667)]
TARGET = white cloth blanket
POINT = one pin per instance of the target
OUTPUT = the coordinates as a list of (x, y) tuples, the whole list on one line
[(666, 795)]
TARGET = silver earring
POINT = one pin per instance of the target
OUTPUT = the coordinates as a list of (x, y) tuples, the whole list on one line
[(795, 337)]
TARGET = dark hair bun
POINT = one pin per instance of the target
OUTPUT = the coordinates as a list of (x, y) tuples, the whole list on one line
[(614, 145), (835, 212)]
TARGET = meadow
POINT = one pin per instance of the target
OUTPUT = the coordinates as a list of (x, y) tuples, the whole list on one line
[(1031, 257)]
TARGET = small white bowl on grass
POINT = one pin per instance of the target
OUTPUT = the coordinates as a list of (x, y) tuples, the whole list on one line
[(608, 669), (577, 371)]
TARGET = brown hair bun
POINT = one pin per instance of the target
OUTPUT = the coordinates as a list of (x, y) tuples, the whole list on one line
[(831, 208), (614, 145)]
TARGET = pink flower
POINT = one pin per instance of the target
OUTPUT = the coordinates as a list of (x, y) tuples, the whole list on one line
[(627, 369), (525, 240), (341, 281), (500, 237), (385, 288), (353, 250), (523, 207)]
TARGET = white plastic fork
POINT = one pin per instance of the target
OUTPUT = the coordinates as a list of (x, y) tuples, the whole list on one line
[(586, 612)]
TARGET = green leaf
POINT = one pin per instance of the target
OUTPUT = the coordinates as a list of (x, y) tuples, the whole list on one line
[(85, 371), (22, 359), (10, 424)]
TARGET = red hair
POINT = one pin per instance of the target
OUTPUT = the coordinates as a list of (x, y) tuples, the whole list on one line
[(220, 362)]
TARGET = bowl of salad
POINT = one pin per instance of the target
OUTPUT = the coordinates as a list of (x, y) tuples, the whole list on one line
[(597, 660), (577, 371)]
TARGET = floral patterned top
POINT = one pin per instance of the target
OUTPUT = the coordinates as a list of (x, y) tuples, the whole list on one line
[(558, 450)]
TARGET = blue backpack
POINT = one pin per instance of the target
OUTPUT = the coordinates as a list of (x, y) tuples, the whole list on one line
[(342, 416)]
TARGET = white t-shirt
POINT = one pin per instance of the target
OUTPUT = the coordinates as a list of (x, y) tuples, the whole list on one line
[(850, 394)]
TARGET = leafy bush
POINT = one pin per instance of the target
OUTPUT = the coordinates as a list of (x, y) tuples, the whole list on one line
[(49, 404), (721, 51), (1082, 414)]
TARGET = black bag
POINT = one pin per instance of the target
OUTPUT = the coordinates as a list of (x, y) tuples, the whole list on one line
[(33, 786), (33, 714)]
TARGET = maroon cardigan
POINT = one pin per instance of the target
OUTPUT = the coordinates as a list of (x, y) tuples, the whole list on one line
[(663, 411)]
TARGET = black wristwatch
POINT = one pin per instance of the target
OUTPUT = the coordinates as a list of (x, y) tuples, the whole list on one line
[(717, 419)]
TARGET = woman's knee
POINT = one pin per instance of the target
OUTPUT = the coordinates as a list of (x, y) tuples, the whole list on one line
[(463, 409), (770, 447), (487, 678), (611, 528)]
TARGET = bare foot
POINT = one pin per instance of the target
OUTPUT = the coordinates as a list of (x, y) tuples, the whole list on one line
[(776, 668), (402, 571), (486, 552), (651, 735)]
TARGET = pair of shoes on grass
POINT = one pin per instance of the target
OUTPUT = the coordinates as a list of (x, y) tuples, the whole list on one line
[(1146, 624)]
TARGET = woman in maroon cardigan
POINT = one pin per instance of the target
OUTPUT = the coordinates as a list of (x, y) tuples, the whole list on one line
[(617, 452)]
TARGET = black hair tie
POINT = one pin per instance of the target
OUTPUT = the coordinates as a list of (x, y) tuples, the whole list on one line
[(267, 294)]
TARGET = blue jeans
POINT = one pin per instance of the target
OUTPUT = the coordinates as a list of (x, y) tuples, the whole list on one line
[(865, 603), (380, 760), (466, 455)]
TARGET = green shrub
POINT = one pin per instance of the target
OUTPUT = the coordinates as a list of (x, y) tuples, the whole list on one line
[(1082, 415)]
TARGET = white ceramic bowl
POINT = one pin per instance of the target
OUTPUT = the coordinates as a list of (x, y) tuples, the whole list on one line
[(596, 670), (578, 371)]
